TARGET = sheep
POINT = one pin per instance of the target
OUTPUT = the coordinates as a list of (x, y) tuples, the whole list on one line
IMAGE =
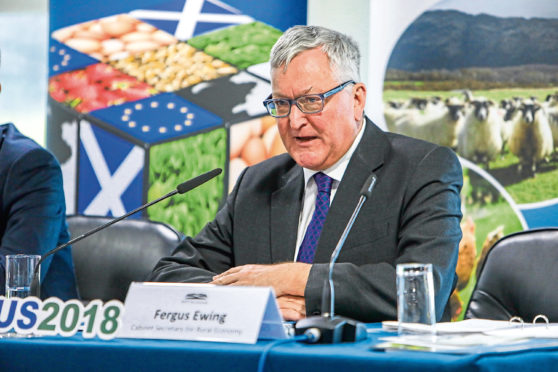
[(552, 115), (509, 107), (468, 95), (531, 139), (552, 100), (395, 110), (392, 111), (481, 137), (436, 100), (551, 108), (417, 102), (438, 123)]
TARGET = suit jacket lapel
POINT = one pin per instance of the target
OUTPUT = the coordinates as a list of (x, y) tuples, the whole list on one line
[(368, 156), (285, 213)]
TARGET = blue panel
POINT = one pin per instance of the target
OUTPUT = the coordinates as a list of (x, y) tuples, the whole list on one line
[(173, 6), (158, 118), (88, 185), (70, 12), (62, 58), (114, 148), (208, 7), (280, 14), (541, 217), (133, 195), (114, 151)]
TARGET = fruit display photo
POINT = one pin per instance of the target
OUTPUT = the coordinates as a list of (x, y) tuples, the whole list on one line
[(96, 87), (113, 37)]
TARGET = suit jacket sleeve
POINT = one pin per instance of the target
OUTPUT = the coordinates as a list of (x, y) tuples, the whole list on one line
[(428, 230), (33, 207), (198, 259)]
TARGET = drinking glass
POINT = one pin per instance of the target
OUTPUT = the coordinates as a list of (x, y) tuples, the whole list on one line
[(19, 274), (415, 298)]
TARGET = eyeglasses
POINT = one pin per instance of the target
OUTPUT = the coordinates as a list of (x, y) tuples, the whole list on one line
[(308, 104)]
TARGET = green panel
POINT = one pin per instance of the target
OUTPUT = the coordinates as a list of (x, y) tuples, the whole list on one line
[(242, 45), (172, 163)]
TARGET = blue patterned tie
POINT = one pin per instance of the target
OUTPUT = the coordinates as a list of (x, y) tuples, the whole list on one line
[(312, 235)]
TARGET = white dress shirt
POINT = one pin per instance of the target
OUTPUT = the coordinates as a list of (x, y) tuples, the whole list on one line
[(336, 172)]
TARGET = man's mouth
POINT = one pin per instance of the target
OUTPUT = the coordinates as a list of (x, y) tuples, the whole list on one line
[(305, 138)]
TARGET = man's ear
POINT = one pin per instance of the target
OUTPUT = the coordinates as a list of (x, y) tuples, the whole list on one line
[(359, 95)]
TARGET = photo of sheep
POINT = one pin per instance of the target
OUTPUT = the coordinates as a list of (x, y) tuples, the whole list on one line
[(482, 78), (485, 86)]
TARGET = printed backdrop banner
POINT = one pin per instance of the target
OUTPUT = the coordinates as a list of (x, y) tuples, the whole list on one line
[(145, 94), (476, 76)]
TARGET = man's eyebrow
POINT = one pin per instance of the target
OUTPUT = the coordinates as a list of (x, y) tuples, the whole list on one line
[(276, 95)]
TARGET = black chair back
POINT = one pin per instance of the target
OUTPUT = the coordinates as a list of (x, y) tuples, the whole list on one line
[(109, 260), (518, 278)]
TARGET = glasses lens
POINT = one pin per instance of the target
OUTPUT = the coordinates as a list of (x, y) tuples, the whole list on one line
[(310, 104), (278, 107)]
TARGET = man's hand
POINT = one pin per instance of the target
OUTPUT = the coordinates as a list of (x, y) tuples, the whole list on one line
[(292, 307), (286, 278)]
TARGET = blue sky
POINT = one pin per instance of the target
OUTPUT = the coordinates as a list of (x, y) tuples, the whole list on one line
[(504, 8)]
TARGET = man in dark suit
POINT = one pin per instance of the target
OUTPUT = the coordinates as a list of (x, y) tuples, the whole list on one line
[(271, 231), (33, 211)]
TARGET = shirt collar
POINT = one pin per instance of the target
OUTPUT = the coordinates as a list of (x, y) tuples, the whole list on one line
[(337, 170)]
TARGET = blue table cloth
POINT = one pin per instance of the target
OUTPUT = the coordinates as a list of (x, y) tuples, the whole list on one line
[(79, 354)]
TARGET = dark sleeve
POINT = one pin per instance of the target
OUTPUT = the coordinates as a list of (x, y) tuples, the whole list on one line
[(428, 231), (35, 209), (197, 260)]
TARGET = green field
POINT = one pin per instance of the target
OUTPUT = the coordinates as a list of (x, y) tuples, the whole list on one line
[(523, 189)]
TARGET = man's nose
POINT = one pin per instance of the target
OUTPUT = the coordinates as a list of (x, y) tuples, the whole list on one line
[(296, 117)]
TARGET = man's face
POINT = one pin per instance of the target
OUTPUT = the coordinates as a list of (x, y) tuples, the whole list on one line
[(317, 141)]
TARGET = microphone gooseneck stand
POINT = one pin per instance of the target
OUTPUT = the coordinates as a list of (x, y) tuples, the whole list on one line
[(333, 329), (184, 187)]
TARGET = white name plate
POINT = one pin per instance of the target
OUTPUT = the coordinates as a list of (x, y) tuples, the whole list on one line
[(202, 312)]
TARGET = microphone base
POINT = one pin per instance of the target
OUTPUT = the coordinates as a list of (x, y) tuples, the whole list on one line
[(333, 331)]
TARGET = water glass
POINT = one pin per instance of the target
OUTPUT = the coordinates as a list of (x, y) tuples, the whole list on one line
[(415, 298), (19, 274)]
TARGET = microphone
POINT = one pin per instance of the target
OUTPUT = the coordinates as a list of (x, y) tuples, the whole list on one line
[(35, 289), (334, 329)]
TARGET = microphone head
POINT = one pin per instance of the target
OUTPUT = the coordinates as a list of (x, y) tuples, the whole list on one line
[(197, 181), (369, 185)]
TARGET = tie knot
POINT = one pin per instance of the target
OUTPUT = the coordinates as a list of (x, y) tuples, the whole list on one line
[(323, 181)]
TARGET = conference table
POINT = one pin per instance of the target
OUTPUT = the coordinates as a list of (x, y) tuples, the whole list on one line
[(78, 354)]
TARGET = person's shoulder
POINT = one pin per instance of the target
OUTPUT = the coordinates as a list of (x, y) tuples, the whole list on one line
[(417, 148), (16, 142), (18, 148), (271, 171)]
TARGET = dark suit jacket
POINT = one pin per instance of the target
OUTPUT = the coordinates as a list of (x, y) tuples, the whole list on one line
[(412, 216), (33, 211)]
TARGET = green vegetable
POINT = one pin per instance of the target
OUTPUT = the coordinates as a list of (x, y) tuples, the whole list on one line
[(242, 45), (172, 163)]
